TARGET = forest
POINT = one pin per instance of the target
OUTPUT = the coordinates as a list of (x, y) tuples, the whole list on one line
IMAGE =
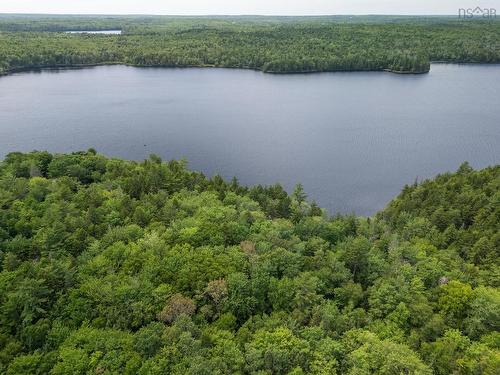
[(110, 266), (269, 44)]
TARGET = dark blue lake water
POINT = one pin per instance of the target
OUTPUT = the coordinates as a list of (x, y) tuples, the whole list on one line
[(352, 139)]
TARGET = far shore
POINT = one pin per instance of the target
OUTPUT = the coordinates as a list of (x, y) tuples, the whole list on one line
[(110, 63)]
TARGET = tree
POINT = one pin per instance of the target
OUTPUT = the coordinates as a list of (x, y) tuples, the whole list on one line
[(372, 355), (455, 299), (445, 353), (278, 351), (121, 267), (176, 306), (483, 314)]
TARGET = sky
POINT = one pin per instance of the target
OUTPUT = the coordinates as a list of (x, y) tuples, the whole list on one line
[(262, 7)]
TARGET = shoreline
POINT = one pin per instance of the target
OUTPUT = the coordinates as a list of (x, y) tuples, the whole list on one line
[(111, 63)]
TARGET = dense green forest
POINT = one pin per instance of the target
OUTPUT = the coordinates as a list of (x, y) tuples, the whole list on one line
[(118, 267), (270, 44)]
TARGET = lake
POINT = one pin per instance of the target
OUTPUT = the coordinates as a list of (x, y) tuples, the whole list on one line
[(110, 32), (352, 139)]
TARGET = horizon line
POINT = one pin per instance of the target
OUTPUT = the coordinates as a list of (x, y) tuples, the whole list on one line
[(231, 14)]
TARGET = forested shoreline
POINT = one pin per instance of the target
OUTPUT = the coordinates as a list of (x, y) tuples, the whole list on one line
[(273, 45), (110, 266)]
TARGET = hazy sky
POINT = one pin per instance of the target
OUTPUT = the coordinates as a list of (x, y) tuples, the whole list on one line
[(284, 7)]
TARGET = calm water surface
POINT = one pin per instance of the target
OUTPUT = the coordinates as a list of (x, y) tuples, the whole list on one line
[(110, 32), (352, 139)]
